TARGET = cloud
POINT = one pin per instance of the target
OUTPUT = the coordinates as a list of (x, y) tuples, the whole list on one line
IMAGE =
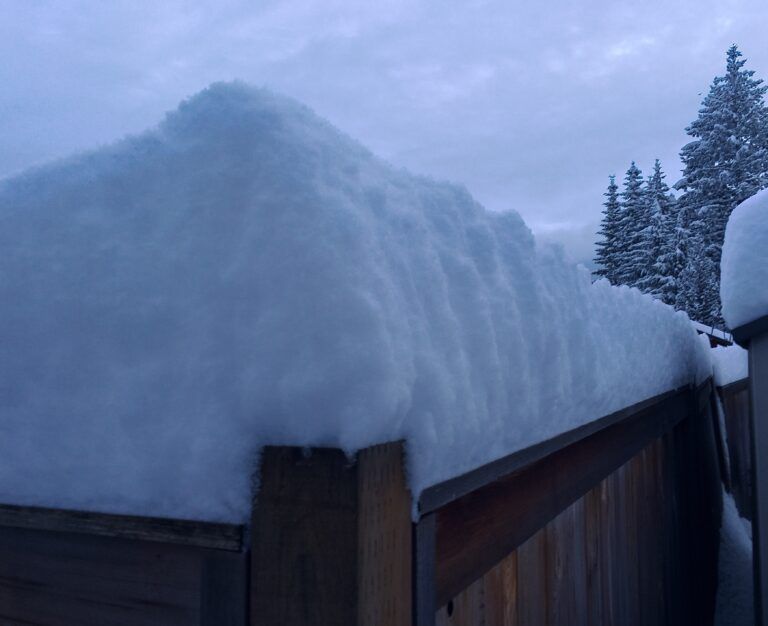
[(530, 106)]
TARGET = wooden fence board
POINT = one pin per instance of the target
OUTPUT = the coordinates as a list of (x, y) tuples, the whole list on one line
[(384, 538), (735, 400), (163, 530), (304, 552), (757, 332), (501, 593), (423, 577), (53, 578), (332, 539), (593, 547), (532, 581)]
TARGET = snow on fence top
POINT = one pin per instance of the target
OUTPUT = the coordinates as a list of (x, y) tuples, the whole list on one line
[(244, 274), (744, 265), (729, 364)]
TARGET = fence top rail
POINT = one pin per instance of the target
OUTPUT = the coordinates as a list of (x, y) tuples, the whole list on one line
[(437, 496), (736, 386), (164, 530)]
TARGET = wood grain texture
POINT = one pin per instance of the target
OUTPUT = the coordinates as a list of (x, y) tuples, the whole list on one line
[(224, 589), (758, 391), (163, 530), (424, 576), (332, 539), (532, 593), (384, 538), (738, 439), (304, 550), (60, 579)]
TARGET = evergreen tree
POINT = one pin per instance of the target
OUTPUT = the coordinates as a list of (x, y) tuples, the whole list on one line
[(606, 255), (677, 259), (699, 294), (726, 163), (661, 242), (631, 234)]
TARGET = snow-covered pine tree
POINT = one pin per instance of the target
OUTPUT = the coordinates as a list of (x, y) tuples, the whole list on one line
[(661, 243), (631, 234), (698, 294), (606, 254), (677, 260), (726, 163)]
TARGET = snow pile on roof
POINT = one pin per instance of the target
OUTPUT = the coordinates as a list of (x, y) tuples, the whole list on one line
[(246, 275), (730, 363), (744, 265)]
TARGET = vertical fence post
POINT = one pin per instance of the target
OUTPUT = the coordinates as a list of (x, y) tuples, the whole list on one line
[(758, 383), (424, 571), (331, 538), (754, 337)]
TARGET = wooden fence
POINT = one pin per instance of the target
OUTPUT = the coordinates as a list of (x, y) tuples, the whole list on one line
[(735, 402), (83, 569), (615, 522)]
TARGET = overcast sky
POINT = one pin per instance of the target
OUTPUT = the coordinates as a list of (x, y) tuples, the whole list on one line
[(529, 104)]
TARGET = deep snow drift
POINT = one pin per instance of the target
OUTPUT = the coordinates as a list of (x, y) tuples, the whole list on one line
[(244, 274), (744, 265), (735, 598)]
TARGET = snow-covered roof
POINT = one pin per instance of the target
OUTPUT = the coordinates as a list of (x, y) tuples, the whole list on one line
[(744, 266), (244, 274)]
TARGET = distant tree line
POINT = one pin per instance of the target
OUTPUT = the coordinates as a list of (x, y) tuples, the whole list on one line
[(670, 246)]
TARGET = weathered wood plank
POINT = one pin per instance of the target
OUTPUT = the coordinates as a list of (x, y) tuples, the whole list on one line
[(423, 578), (332, 538), (735, 400), (56, 579), (224, 589), (183, 532), (758, 373), (594, 540), (501, 593), (469, 608), (531, 581), (608, 555), (304, 551), (384, 538)]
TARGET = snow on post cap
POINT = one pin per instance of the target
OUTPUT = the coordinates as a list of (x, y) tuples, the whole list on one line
[(244, 274), (744, 265)]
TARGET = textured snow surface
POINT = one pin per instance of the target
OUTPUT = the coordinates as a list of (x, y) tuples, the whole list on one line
[(729, 364), (744, 266), (734, 591), (244, 274)]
